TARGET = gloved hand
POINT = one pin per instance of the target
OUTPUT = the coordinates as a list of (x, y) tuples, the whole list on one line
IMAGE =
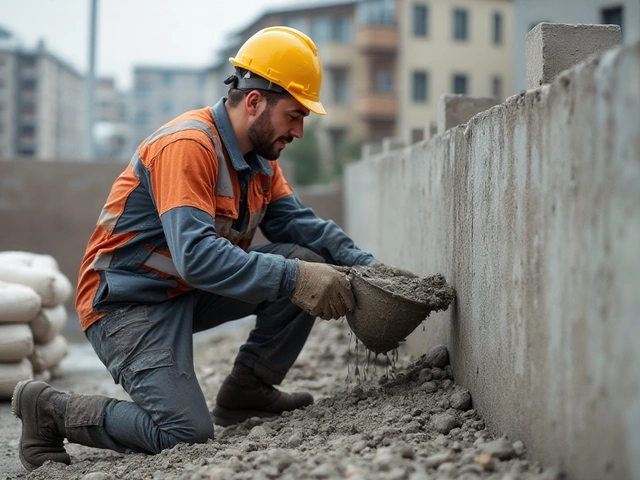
[(322, 291), (396, 271)]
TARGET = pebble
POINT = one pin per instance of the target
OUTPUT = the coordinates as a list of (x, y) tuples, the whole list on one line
[(438, 356), (323, 470), (518, 447), (258, 432), (446, 384), (438, 373), (441, 440), (437, 459), (500, 448), (444, 422), (485, 461), (359, 446), (295, 440), (429, 387), (425, 376), (460, 400), (96, 476)]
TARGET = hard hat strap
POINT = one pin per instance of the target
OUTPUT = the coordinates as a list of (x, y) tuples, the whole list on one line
[(252, 81)]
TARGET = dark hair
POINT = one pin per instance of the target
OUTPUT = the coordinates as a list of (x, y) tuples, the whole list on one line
[(236, 95)]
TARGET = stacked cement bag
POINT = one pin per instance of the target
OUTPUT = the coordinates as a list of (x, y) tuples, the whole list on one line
[(32, 315)]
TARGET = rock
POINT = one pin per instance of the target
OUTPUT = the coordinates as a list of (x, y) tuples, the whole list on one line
[(425, 376), (438, 356), (446, 384), (500, 448), (447, 469), (437, 459), (441, 440), (485, 461), (323, 470), (281, 459), (404, 450), (359, 446), (518, 447), (460, 400), (438, 373), (413, 427), (429, 387), (448, 372), (97, 476), (444, 422), (258, 432), (295, 440)]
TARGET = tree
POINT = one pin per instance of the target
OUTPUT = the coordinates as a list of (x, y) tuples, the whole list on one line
[(304, 154)]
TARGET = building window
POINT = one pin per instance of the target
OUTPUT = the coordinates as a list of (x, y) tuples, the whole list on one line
[(337, 136), (612, 16), (167, 78), (420, 20), (295, 22), (497, 28), (417, 135), (321, 29), (496, 87), (384, 80), (340, 84), (460, 84), (342, 29), (460, 24), (420, 86), (376, 12)]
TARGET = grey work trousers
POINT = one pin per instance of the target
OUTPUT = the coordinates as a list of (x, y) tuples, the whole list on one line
[(148, 349)]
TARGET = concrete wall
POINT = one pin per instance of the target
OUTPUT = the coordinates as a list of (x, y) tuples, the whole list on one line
[(52, 207), (528, 13), (532, 212)]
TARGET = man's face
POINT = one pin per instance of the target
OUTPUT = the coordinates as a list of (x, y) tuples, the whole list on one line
[(276, 126)]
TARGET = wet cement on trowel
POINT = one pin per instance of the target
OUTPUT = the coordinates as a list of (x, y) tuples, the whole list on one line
[(431, 290)]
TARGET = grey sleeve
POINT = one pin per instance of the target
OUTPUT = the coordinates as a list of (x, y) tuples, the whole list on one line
[(208, 262), (287, 220)]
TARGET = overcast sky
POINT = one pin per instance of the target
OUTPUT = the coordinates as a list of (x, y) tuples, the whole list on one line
[(131, 32)]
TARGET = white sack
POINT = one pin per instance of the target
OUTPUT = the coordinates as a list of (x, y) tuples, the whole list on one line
[(47, 355), (11, 374), (53, 287), (29, 259), (16, 342), (48, 323), (18, 303)]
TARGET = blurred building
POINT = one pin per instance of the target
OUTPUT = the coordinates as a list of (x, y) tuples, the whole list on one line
[(386, 62), (112, 133), (528, 14), (162, 93), (42, 113)]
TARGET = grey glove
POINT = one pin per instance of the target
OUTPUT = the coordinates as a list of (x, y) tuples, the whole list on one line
[(395, 271), (322, 291)]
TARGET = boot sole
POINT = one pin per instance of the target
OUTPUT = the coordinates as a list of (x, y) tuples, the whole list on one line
[(225, 417), (15, 409)]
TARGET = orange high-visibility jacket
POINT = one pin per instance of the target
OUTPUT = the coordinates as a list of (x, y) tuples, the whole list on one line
[(182, 214)]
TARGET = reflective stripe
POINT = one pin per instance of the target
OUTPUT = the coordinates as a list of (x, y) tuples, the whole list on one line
[(102, 262), (156, 261), (224, 186), (162, 264), (107, 219), (186, 125)]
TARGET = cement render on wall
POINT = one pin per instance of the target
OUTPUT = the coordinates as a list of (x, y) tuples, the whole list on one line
[(532, 211)]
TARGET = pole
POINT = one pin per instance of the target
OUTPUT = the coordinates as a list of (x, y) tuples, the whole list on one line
[(91, 84)]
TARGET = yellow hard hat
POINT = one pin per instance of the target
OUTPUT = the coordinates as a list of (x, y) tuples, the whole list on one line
[(286, 57)]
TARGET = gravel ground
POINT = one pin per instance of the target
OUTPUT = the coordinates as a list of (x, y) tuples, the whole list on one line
[(400, 418)]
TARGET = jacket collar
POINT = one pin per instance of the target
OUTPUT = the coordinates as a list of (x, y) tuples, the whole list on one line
[(223, 125)]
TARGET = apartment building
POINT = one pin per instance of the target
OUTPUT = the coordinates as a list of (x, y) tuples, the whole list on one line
[(112, 134), (527, 14), (386, 62), (162, 93), (450, 46), (42, 114)]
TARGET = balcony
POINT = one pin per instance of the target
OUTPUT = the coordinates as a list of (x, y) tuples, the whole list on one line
[(377, 106), (377, 39), (336, 54)]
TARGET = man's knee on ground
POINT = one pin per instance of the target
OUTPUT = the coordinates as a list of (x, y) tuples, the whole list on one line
[(194, 432), (303, 253)]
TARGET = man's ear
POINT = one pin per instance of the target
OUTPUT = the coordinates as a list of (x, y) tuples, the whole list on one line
[(252, 102)]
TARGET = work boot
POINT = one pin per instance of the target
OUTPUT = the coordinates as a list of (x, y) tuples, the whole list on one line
[(41, 409), (243, 396)]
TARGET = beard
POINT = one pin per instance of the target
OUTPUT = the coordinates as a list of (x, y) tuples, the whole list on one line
[(261, 135)]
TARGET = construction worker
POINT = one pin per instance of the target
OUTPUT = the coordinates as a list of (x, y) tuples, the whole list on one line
[(171, 255)]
